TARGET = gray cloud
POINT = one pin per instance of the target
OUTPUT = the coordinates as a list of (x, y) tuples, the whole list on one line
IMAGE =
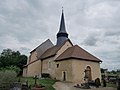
[(93, 24), (90, 40), (112, 32)]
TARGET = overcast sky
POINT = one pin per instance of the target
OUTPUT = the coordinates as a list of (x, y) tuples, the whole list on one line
[(92, 24)]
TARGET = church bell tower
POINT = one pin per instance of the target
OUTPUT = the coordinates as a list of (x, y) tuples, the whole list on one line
[(62, 35)]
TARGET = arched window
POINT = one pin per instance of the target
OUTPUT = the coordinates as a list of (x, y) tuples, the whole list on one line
[(88, 73)]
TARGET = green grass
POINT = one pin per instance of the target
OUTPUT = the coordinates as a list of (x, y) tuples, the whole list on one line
[(45, 82)]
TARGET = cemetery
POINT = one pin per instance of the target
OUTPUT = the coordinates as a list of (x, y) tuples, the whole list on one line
[(31, 83), (46, 83)]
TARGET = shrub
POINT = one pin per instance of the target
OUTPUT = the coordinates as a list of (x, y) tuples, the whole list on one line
[(45, 75), (7, 77), (14, 68)]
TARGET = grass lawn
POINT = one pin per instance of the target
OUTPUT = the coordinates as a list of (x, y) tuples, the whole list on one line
[(45, 82)]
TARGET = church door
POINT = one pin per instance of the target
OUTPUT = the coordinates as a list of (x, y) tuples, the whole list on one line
[(64, 76), (88, 73)]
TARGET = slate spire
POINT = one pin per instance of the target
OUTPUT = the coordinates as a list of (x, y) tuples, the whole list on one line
[(62, 34)]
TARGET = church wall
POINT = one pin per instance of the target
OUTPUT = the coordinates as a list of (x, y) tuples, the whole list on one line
[(63, 48), (49, 66), (28, 59), (79, 67), (34, 69), (24, 72), (33, 56), (64, 66), (45, 66)]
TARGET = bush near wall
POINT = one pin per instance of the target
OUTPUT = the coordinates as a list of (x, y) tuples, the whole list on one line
[(45, 75), (7, 77)]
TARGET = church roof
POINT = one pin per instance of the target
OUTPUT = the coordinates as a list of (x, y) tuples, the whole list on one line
[(52, 51), (43, 47), (77, 52)]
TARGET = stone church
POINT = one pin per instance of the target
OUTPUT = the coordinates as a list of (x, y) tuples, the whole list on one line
[(63, 61)]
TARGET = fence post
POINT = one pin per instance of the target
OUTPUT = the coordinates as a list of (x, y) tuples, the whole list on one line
[(118, 84)]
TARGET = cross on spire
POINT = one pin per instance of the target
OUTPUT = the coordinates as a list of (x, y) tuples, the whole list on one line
[(62, 9)]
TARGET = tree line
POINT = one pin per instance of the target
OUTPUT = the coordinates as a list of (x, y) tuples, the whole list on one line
[(12, 59)]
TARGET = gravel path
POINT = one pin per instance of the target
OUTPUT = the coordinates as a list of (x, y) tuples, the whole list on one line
[(69, 86)]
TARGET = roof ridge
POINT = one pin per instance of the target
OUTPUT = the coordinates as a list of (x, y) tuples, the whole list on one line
[(54, 49), (59, 46), (78, 53), (41, 45), (72, 47), (87, 52)]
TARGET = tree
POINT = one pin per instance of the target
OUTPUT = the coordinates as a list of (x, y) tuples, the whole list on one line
[(113, 72), (118, 70), (14, 58)]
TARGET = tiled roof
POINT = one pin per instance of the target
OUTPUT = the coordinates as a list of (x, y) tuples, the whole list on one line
[(77, 52), (52, 51), (43, 47)]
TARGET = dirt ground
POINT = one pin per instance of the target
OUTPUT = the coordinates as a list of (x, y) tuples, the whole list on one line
[(70, 86)]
